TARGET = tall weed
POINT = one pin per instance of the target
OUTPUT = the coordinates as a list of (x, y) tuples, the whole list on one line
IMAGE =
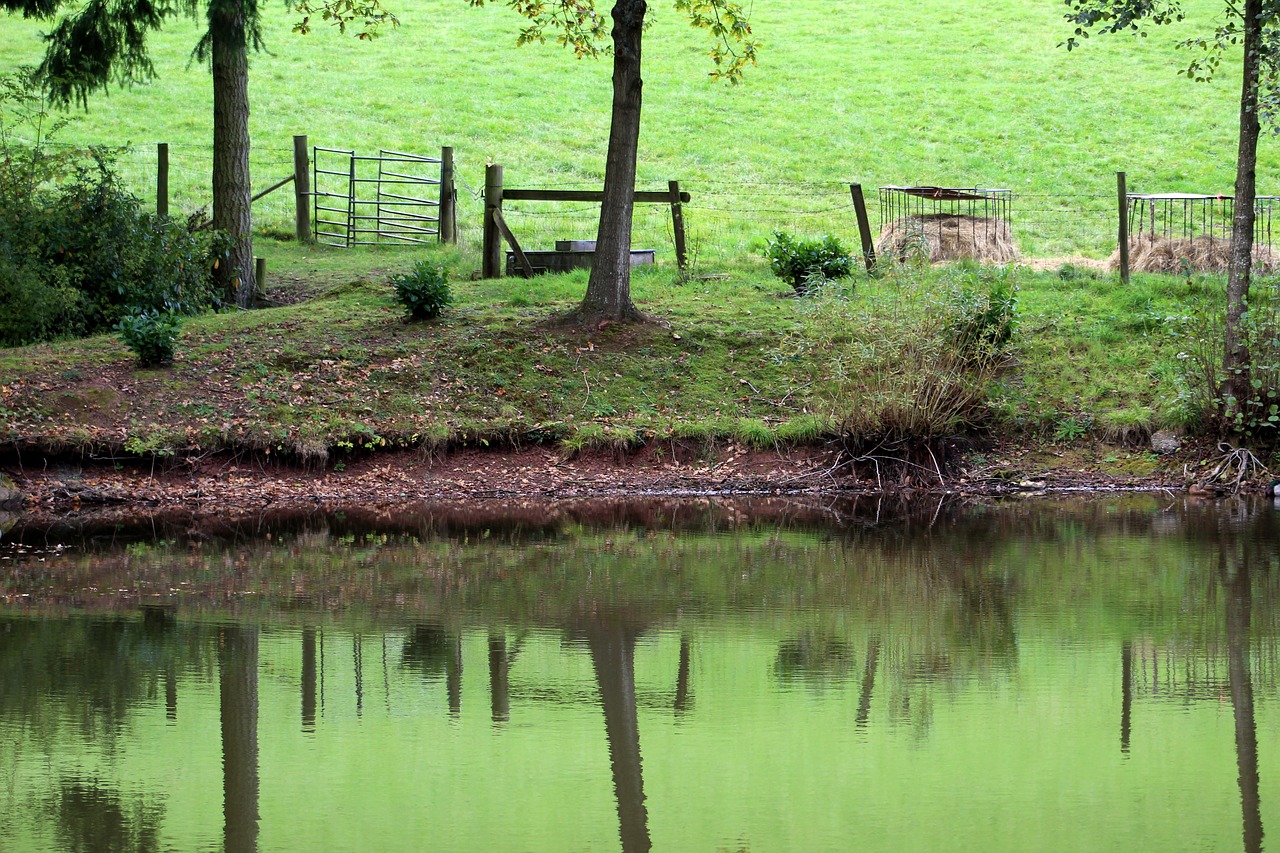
[(910, 360)]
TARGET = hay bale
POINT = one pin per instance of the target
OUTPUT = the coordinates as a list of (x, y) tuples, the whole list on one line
[(949, 237), (1174, 255)]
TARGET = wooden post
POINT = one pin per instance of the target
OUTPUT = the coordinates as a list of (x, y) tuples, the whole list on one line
[(448, 198), (1123, 193), (162, 179), (864, 228), (491, 259), (302, 188), (260, 277), (521, 258), (677, 225)]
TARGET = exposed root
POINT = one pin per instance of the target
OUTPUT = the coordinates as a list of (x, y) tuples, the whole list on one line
[(1235, 467)]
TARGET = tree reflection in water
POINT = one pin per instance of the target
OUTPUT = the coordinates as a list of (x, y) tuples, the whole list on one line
[(1236, 583), (238, 691), (613, 654)]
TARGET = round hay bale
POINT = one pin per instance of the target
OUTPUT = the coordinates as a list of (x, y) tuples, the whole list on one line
[(1175, 255), (949, 237)]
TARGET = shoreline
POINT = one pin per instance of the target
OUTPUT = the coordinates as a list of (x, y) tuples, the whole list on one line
[(238, 482)]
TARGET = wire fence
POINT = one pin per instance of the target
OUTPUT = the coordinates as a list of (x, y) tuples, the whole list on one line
[(724, 217)]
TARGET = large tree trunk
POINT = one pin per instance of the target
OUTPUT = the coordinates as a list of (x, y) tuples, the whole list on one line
[(608, 294), (1237, 386), (229, 49)]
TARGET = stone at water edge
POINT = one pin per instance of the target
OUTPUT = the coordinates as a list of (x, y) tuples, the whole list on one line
[(1165, 442), (10, 495)]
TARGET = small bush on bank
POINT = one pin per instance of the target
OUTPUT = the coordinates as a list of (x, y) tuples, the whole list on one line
[(797, 262), (1200, 338), (424, 292), (77, 253), (151, 336)]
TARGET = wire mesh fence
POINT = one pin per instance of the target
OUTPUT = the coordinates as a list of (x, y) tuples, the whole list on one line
[(724, 218)]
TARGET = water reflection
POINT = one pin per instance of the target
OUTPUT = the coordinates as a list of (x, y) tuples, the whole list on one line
[(612, 640), (238, 698), (1236, 583), (970, 651), (94, 819)]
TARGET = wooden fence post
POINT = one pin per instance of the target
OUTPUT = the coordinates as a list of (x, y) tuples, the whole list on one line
[(677, 226), (162, 179), (864, 228), (491, 259), (448, 198), (259, 278), (302, 188), (1123, 194)]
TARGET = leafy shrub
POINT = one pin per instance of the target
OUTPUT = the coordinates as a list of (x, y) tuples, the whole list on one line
[(797, 262), (982, 312), (424, 292), (78, 253), (150, 335), (1200, 338)]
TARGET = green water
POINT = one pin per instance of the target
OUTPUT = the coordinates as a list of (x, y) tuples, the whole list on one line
[(685, 676)]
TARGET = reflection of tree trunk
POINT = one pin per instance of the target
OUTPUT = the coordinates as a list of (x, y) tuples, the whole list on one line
[(170, 692), (1238, 613), (682, 677), (868, 682), (499, 686), (1126, 695), (613, 653), (238, 687), (453, 676), (308, 679), (357, 653)]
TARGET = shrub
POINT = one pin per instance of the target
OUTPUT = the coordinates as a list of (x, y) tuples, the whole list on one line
[(797, 262), (424, 292), (981, 312), (78, 251), (1200, 338), (150, 335)]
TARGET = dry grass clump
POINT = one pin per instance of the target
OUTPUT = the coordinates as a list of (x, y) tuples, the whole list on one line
[(949, 237), (1176, 255)]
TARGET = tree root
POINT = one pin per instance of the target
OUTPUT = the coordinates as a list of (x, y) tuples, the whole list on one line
[(1233, 468)]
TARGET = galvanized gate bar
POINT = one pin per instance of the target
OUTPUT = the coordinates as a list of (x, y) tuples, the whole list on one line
[(394, 212)]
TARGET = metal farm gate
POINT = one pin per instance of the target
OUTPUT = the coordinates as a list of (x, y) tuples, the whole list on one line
[(396, 197)]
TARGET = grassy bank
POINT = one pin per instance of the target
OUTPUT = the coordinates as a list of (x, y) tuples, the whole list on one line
[(944, 92), (733, 356)]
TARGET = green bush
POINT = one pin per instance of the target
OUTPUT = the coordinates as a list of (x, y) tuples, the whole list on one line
[(151, 336), (982, 311), (801, 263), (1200, 339), (424, 292), (77, 252)]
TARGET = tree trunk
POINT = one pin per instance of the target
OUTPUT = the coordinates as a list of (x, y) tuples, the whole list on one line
[(608, 294), (1237, 386), (231, 188)]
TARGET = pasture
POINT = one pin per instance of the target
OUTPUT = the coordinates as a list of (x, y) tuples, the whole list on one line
[(942, 92)]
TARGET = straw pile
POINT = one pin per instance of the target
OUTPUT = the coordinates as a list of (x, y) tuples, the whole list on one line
[(1153, 253), (949, 237)]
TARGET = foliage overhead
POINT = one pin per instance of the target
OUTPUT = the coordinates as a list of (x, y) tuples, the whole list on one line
[(102, 41), (1101, 17), (585, 30)]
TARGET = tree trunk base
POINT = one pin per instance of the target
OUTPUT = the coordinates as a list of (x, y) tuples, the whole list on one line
[(584, 318)]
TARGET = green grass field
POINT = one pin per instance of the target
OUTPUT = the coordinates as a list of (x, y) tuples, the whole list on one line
[(944, 92)]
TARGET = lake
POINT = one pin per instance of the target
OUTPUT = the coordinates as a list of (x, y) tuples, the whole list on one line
[(701, 674)]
